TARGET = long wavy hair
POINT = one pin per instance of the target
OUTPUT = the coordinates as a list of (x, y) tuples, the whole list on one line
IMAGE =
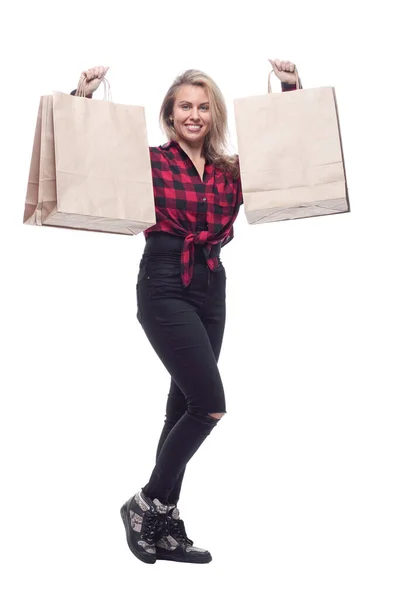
[(215, 142)]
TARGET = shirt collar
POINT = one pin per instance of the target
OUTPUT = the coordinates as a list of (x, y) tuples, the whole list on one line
[(174, 146)]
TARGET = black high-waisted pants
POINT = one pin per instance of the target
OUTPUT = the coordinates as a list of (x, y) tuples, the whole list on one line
[(185, 326)]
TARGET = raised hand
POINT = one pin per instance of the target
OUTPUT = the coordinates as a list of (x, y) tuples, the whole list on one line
[(91, 79), (284, 70)]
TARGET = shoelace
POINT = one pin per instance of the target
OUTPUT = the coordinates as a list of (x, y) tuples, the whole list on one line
[(153, 525), (176, 528)]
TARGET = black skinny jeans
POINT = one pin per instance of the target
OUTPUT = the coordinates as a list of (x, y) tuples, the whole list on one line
[(185, 326)]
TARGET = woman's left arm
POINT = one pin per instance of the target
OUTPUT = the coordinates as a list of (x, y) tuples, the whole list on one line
[(285, 71)]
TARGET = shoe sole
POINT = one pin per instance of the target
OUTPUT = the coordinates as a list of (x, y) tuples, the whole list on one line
[(125, 519), (194, 560)]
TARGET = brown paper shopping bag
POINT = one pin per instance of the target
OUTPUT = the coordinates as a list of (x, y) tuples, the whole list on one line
[(291, 156), (90, 166), (33, 179)]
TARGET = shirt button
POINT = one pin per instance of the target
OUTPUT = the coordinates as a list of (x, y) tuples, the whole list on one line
[(204, 199)]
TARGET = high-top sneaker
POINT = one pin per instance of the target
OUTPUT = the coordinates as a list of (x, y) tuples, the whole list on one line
[(145, 521), (174, 543)]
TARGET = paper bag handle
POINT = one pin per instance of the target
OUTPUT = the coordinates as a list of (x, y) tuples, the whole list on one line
[(107, 90), (297, 80)]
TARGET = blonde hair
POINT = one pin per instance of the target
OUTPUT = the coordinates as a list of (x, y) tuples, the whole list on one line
[(215, 142)]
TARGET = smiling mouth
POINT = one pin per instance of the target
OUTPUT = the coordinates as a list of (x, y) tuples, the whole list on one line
[(193, 127)]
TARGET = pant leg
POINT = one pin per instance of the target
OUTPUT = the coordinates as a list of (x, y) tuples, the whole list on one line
[(213, 319), (175, 329), (176, 408)]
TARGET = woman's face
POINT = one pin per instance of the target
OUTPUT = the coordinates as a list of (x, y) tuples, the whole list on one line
[(191, 114)]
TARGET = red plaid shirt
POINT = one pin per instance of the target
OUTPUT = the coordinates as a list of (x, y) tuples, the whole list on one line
[(200, 211)]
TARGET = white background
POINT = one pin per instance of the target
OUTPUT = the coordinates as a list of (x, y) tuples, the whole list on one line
[(296, 492)]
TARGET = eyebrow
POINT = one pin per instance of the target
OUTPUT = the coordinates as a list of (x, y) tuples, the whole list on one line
[(186, 102)]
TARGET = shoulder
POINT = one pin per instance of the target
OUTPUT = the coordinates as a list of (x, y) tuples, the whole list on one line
[(159, 151), (161, 148), (155, 150), (157, 156)]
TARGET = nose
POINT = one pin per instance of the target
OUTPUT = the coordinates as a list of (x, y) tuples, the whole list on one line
[(195, 115)]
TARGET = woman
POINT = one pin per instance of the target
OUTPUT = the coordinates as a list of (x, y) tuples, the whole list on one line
[(181, 294)]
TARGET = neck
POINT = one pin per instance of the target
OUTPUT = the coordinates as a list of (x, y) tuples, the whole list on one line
[(194, 151)]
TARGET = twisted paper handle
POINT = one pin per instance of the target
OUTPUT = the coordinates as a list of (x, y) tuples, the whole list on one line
[(107, 90)]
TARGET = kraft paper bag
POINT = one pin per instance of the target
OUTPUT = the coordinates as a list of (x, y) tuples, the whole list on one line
[(291, 155), (90, 166), (32, 191)]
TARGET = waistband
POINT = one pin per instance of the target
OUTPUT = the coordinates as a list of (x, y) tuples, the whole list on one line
[(167, 244)]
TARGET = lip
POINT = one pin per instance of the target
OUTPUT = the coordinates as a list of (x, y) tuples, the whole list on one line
[(193, 125)]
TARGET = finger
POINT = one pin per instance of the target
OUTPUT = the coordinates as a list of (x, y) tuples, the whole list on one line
[(278, 64)]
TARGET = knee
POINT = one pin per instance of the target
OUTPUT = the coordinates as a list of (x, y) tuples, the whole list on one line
[(216, 415), (205, 417)]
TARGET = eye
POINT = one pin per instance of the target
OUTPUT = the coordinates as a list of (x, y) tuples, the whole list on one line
[(185, 106)]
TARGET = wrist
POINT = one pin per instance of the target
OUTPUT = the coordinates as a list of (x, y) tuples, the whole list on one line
[(73, 93), (290, 86)]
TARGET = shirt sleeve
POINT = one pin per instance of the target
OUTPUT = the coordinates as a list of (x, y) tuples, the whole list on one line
[(289, 87)]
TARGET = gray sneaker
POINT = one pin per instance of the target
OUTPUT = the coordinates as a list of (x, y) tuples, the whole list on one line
[(145, 522)]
